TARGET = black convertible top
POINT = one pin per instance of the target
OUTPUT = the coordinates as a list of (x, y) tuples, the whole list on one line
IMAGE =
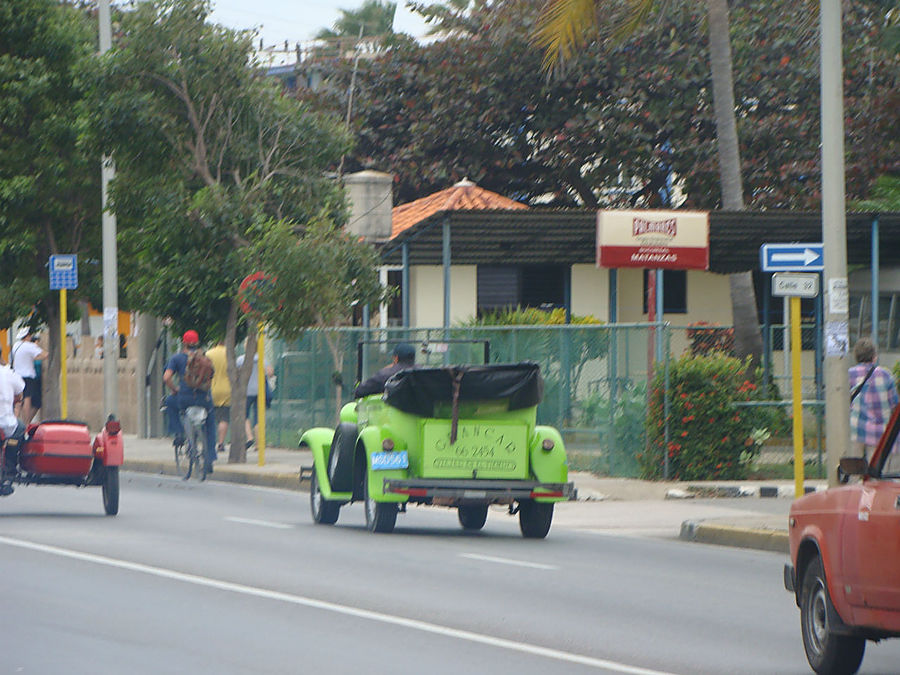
[(416, 391)]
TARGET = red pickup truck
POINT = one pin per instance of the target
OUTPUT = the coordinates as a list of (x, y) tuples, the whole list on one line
[(845, 559)]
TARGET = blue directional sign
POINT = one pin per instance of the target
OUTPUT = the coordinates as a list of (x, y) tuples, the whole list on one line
[(63, 272), (792, 257)]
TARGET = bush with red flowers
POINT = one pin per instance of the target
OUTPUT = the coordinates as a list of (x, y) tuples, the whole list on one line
[(709, 437)]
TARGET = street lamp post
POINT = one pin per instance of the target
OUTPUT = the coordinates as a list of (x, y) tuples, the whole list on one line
[(110, 274), (834, 236)]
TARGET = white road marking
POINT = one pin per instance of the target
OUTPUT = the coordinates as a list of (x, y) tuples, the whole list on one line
[(261, 523), (508, 561), (346, 610)]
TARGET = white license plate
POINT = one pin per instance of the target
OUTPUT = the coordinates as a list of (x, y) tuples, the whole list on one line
[(385, 461)]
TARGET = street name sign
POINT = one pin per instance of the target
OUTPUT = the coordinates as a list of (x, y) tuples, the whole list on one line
[(63, 272), (795, 284), (792, 257), (671, 240)]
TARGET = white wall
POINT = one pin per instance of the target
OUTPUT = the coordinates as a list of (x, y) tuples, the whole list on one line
[(590, 291), (427, 299), (708, 298)]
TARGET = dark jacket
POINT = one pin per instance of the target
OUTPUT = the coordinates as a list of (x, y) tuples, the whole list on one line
[(375, 384)]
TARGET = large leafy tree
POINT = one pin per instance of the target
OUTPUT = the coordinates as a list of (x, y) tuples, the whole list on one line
[(565, 24), (220, 176), (609, 129), (621, 117), (49, 185)]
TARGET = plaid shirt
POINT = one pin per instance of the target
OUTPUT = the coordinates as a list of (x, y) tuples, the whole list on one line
[(872, 407)]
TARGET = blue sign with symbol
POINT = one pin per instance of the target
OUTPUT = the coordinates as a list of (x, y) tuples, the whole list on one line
[(63, 272), (792, 257)]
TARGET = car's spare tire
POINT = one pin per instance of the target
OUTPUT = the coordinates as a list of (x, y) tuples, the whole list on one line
[(340, 457)]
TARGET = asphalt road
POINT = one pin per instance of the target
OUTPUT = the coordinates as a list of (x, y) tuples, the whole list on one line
[(216, 578)]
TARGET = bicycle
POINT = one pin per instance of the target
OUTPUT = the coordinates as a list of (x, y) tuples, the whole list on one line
[(194, 450)]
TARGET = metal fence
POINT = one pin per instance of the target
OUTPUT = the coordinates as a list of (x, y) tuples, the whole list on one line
[(595, 377)]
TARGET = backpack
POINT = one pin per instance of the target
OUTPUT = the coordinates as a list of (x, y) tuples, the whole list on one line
[(198, 372)]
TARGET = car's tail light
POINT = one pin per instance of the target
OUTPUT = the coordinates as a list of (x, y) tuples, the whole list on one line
[(412, 492), (387, 444), (548, 444)]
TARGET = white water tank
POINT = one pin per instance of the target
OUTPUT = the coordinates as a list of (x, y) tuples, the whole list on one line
[(370, 204)]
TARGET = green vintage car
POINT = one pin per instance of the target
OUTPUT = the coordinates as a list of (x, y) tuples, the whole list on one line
[(461, 436)]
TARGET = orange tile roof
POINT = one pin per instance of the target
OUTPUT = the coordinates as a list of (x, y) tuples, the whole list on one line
[(464, 195)]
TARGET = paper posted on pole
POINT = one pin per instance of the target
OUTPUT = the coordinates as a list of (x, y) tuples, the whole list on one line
[(111, 324)]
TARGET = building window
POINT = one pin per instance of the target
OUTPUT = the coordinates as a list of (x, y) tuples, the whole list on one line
[(888, 319), (511, 286), (674, 291), (395, 304)]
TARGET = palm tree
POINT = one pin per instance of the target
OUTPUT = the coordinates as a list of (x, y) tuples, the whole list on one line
[(564, 24), (373, 19)]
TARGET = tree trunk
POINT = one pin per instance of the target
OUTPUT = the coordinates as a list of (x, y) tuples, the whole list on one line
[(237, 453), (332, 338), (747, 337)]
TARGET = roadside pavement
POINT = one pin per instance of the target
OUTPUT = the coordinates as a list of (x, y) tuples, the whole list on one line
[(747, 514)]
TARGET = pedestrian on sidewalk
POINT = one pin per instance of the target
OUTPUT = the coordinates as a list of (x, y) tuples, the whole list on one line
[(252, 411), (221, 393), (873, 395), (25, 355)]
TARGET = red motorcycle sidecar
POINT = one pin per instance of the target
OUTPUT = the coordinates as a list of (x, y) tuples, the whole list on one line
[(60, 452)]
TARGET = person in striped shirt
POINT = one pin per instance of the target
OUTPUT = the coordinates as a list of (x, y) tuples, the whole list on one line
[(877, 396)]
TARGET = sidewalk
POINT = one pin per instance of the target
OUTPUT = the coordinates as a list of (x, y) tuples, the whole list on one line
[(623, 506)]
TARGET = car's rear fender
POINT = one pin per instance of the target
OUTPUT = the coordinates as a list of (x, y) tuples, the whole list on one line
[(369, 442), (108, 446), (318, 441), (348, 413), (548, 466)]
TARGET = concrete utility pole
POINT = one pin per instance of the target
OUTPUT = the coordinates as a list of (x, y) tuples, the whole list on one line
[(834, 236), (110, 273)]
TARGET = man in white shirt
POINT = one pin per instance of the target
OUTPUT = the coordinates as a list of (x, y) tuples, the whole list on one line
[(23, 355), (11, 388)]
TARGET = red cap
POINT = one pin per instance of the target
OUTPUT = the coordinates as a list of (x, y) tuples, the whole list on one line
[(190, 337)]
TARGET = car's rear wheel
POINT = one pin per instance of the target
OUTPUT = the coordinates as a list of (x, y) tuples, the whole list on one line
[(472, 516), (380, 516), (324, 512), (535, 518), (110, 490), (827, 652)]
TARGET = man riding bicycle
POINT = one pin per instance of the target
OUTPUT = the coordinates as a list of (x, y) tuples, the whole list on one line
[(183, 396)]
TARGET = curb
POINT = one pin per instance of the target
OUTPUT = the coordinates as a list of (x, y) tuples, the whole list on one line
[(223, 474), (732, 491), (737, 537)]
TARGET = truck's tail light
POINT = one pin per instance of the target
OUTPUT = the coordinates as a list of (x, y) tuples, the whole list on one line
[(547, 444), (387, 444)]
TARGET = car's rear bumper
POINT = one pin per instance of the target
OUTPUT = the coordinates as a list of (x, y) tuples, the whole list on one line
[(479, 490)]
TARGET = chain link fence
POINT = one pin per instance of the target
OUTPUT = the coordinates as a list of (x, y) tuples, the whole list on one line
[(595, 378)]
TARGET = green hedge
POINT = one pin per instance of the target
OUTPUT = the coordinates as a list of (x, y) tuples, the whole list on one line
[(709, 437)]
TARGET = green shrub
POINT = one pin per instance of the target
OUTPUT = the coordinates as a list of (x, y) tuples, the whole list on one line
[(897, 373), (709, 438), (625, 437)]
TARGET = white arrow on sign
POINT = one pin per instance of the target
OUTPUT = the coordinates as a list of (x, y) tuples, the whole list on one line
[(806, 256)]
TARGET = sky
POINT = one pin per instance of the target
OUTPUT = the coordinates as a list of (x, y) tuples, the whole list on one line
[(299, 20)]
